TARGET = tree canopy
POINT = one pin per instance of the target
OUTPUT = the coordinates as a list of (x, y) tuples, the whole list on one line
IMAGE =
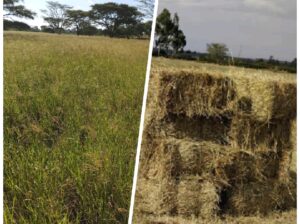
[(13, 8), (78, 19), (113, 16), (56, 16), (217, 51)]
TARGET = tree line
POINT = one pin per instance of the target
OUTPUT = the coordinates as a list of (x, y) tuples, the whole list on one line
[(112, 19), (170, 42)]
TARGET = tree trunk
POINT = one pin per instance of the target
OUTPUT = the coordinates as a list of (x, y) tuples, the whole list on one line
[(77, 30)]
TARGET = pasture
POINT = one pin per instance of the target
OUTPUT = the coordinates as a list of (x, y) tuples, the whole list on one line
[(71, 117)]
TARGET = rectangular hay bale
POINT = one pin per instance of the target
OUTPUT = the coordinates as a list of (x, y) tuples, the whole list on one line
[(156, 197), (261, 198), (250, 134), (265, 100), (193, 93), (197, 197)]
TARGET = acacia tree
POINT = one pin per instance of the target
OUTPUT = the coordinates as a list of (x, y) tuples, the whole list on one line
[(78, 19), (113, 16), (147, 7), (13, 8), (56, 16), (217, 51)]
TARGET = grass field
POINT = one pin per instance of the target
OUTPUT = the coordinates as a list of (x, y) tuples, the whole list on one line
[(71, 114)]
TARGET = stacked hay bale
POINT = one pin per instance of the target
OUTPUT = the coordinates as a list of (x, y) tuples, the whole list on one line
[(217, 144)]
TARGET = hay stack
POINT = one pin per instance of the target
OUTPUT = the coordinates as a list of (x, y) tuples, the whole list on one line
[(217, 144)]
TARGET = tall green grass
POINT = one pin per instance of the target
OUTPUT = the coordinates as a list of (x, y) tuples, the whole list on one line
[(71, 116)]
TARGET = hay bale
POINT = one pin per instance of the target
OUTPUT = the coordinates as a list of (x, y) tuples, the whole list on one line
[(238, 167), (250, 134), (173, 157), (157, 197), (265, 99), (260, 198), (161, 161), (199, 93), (198, 157), (192, 93), (197, 197)]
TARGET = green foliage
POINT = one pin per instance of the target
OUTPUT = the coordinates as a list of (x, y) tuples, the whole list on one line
[(112, 19), (15, 25), (217, 51), (12, 9), (79, 19), (168, 33), (71, 115), (113, 16), (56, 16)]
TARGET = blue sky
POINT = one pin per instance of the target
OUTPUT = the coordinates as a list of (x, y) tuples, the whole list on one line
[(37, 5)]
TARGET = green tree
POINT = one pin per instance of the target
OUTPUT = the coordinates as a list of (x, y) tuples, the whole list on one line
[(56, 16), (113, 16), (78, 19), (87, 28), (13, 8), (15, 25), (168, 33), (217, 51), (164, 27)]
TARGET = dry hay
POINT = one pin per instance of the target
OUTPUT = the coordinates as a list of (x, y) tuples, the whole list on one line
[(195, 93), (216, 144), (156, 197), (197, 197), (293, 140), (248, 133), (161, 161), (173, 157), (242, 167), (261, 198), (265, 99)]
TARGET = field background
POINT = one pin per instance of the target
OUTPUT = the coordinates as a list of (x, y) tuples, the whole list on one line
[(71, 114)]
